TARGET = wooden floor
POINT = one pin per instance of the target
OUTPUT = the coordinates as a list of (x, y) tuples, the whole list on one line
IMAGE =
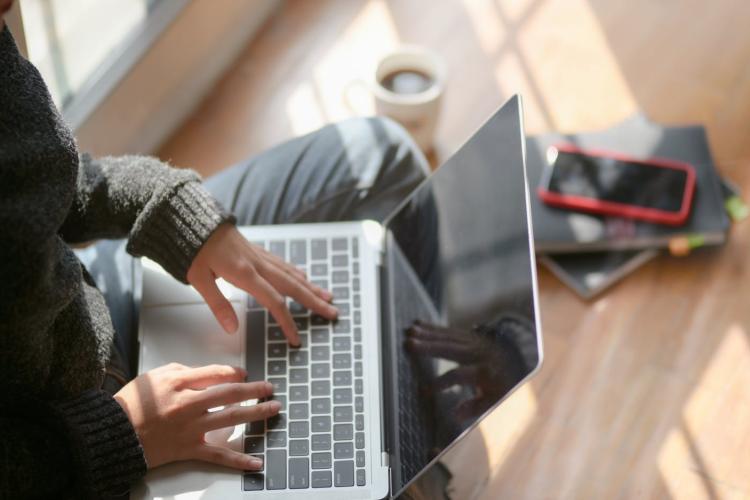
[(645, 393)]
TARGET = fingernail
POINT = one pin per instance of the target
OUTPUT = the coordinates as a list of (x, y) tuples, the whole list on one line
[(229, 324), (269, 387), (275, 405), (333, 311), (254, 462)]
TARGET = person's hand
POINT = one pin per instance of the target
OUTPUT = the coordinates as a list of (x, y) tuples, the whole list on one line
[(168, 407), (227, 254)]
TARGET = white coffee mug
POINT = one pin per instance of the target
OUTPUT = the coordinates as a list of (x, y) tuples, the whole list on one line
[(418, 112)]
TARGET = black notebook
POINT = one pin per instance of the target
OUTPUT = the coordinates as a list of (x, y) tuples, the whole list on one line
[(564, 231)]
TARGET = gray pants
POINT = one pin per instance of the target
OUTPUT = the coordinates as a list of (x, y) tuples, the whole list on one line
[(353, 170)]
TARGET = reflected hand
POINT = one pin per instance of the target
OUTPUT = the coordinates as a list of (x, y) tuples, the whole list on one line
[(168, 407), (268, 278), (480, 368)]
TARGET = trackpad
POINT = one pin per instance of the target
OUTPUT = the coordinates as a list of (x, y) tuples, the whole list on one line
[(187, 334)]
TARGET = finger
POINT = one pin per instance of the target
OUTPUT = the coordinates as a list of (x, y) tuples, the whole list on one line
[(228, 458), (429, 331), (206, 376), (269, 298), (458, 376), (228, 394), (288, 286), (219, 305), (301, 276), (235, 415)]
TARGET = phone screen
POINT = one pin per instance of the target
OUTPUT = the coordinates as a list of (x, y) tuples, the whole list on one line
[(613, 180)]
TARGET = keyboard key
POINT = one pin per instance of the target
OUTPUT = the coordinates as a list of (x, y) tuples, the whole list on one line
[(321, 442), (343, 450), (276, 439), (339, 244), (359, 404), (343, 473), (319, 335), (355, 300), (320, 370), (277, 350), (298, 376), (357, 318), (321, 461), (342, 396), (277, 422), (320, 479), (340, 293), (355, 248), (279, 384), (303, 340), (318, 249), (358, 369), (302, 323), (255, 427), (359, 422), (320, 353), (299, 447), (296, 308), (319, 270), (318, 320), (281, 400), (355, 284), (299, 429), (253, 481), (320, 283), (321, 406), (276, 469), (342, 414), (299, 472), (298, 358), (357, 352), (278, 248), (320, 388), (340, 277), (275, 333), (360, 477), (298, 393), (342, 344), (343, 309), (321, 423), (274, 368), (360, 460), (343, 432), (341, 361), (342, 377), (341, 260), (299, 411), (255, 354), (254, 444), (358, 389), (298, 252), (355, 268), (341, 326), (357, 334), (359, 441)]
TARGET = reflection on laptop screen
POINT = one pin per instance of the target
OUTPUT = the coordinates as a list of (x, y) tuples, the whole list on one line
[(462, 310)]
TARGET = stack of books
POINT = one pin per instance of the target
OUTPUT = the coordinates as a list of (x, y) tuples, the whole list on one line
[(590, 252)]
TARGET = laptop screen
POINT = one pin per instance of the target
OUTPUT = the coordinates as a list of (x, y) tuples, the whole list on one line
[(461, 295)]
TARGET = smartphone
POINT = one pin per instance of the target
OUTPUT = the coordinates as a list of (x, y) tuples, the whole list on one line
[(602, 182)]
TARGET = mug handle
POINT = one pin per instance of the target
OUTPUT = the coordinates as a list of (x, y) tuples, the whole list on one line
[(348, 88)]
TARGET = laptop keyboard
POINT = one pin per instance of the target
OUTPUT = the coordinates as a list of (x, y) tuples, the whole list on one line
[(318, 438)]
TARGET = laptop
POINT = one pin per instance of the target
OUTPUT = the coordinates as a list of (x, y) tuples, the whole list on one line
[(438, 323)]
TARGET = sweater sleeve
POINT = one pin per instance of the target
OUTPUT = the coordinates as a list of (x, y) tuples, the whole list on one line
[(165, 212)]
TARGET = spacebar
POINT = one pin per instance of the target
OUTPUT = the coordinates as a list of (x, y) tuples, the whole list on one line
[(255, 349)]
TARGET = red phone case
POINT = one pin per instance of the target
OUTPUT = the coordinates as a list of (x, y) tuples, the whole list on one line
[(621, 209)]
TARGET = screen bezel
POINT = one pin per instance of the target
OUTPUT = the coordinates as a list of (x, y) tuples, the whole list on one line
[(598, 206)]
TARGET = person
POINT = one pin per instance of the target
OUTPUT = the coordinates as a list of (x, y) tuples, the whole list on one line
[(75, 422)]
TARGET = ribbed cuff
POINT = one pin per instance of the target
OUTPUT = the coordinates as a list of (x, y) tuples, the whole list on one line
[(109, 451), (172, 230)]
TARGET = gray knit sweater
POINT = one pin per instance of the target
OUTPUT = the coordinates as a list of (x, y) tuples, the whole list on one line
[(61, 435)]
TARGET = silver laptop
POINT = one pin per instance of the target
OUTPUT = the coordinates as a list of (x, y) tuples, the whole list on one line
[(438, 323)]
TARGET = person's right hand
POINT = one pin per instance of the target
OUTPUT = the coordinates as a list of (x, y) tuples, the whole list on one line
[(168, 407)]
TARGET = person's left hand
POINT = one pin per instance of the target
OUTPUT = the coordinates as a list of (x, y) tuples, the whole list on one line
[(268, 278)]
